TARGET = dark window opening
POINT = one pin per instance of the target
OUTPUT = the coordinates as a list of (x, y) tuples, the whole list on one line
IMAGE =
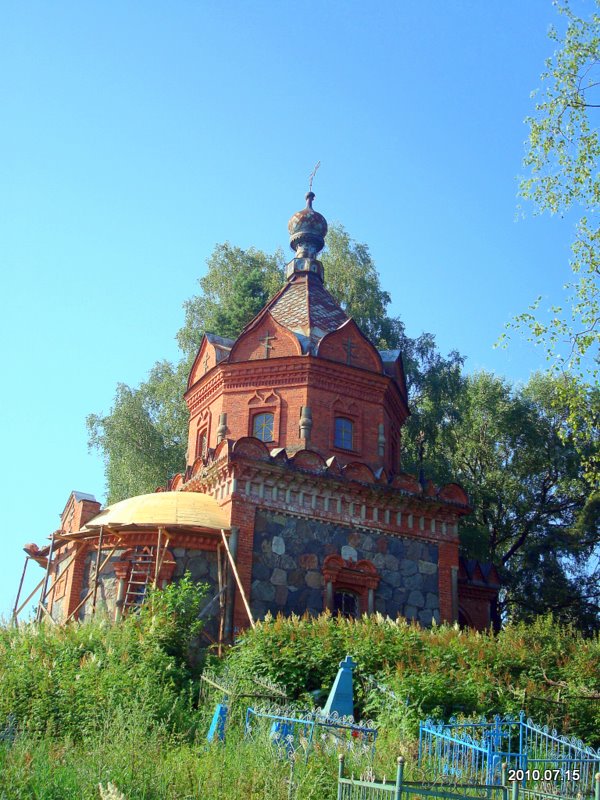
[(344, 433), (346, 604)]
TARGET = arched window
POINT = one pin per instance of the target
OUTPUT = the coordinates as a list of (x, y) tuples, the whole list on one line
[(346, 604), (201, 444), (349, 586), (344, 433), (262, 427)]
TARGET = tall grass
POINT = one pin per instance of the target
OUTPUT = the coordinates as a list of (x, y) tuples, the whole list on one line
[(98, 703), (70, 680), (156, 765)]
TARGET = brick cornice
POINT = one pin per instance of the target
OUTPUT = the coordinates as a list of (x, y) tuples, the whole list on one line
[(310, 371)]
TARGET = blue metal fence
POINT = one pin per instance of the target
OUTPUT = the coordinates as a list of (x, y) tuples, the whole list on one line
[(476, 751), (9, 731), (291, 730)]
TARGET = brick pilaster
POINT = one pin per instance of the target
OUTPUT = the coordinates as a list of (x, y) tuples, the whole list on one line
[(242, 517), (447, 574), (75, 584)]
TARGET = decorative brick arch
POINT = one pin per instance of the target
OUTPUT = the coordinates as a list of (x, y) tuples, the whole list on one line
[(455, 493), (358, 577), (348, 345), (358, 472), (264, 339), (249, 447), (309, 461), (265, 402)]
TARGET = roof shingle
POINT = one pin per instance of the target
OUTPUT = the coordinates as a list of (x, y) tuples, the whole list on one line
[(305, 307)]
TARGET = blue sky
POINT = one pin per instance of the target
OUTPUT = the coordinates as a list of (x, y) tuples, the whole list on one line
[(135, 136)]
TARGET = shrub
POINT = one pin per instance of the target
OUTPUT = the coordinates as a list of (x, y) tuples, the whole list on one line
[(68, 680), (546, 669)]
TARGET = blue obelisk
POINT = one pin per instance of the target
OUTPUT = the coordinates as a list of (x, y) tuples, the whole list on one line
[(341, 697)]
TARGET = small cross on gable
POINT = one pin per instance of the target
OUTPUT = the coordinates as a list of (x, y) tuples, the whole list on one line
[(266, 340), (349, 348), (206, 363)]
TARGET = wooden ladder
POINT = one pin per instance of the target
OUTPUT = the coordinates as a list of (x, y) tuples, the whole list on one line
[(142, 564)]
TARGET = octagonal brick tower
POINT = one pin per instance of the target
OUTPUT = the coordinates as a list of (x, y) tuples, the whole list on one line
[(301, 375), (295, 429)]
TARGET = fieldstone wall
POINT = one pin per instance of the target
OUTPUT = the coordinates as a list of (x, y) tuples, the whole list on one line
[(58, 608), (201, 564), (108, 585), (288, 561)]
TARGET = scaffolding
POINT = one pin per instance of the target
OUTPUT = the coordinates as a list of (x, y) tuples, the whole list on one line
[(148, 550)]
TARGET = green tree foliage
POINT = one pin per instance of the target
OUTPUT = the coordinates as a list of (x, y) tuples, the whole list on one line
[(563, 159), (352, 278), (512, 450), (235, 287), (434, 383), (143, 437)]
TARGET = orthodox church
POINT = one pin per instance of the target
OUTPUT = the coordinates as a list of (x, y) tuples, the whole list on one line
[(293, 499)]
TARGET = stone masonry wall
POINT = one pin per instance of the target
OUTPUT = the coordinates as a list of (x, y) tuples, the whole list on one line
[(288, 561), (201, 564), (107, 585)]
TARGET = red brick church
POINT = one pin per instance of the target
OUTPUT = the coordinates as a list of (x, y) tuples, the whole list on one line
[(293, 499)]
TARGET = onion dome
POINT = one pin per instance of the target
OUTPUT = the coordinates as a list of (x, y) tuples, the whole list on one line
[(307, 230)]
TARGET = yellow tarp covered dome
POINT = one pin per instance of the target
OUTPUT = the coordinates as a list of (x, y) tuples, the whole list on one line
[(165, 509)]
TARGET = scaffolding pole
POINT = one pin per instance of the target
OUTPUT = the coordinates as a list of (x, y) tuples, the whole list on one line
[(50, 591), (230, 592), (47, 613), (89, 594), (46, 578), (96, 571), (29, 596), (160, 557), (43, 597), (156, 565), (237, 579), (221, 598), (18, 597)]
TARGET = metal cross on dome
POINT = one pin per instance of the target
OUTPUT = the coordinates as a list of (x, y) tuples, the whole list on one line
[(266, 340), (312, 175)]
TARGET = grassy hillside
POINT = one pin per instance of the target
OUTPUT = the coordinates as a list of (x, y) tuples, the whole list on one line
[(95, 702)]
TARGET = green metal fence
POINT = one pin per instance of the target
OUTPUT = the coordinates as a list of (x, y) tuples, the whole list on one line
[(368, 788)]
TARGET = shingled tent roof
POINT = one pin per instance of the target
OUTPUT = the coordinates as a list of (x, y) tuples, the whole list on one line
[(305, 307)]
